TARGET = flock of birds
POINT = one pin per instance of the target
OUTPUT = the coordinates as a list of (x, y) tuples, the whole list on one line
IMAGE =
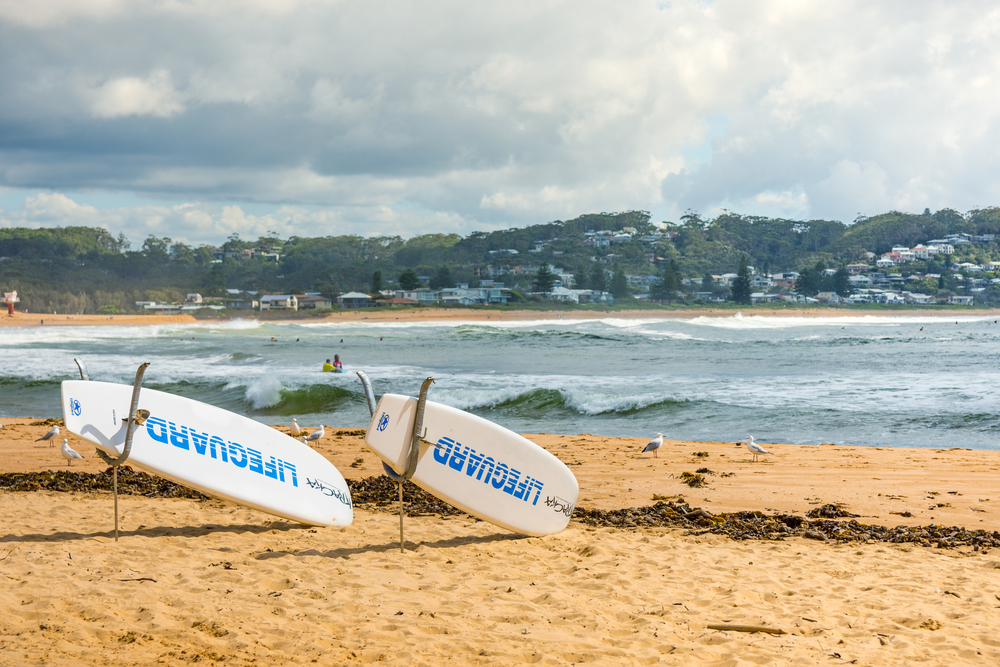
[(69, 453), (652, 446), (657, 442)]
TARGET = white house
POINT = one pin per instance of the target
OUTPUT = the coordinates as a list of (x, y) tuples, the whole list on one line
[(279, 302)]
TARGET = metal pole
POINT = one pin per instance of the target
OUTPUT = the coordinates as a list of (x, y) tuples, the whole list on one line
[(116, 502), (135, 418), (401, 543)]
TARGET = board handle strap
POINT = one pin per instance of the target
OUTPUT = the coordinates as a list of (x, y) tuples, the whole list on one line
[(418, 430), (369, 393)]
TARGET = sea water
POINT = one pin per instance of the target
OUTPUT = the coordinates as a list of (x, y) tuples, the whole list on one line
[(870, 380)]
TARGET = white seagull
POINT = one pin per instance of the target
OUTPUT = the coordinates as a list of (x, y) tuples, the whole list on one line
[(69, 452), (295, 428), (51, 434), (654, 444), (754, 448), (317, 434)]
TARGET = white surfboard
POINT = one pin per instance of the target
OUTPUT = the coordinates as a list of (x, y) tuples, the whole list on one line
[(212, 450), (477, 466)]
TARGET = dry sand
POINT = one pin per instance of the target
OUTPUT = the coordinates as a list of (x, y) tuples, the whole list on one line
[(212, 582)]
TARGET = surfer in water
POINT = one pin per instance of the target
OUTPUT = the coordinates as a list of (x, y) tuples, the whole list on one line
[(327, 367), (337, 365)]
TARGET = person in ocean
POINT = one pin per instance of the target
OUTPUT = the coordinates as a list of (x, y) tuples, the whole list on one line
[(327, 367), (337, 365)]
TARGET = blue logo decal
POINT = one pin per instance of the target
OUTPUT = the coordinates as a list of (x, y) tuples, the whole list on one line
[(383, 422), (74, 407)]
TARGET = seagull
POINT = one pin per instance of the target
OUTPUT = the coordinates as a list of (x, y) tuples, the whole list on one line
[(69, 452), (302, 440), (295, 427), (317, 434), (654, 444), (754, 448), (51, 434)]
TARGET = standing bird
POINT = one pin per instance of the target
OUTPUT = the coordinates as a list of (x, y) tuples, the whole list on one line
[(317, 434), (69, 452), (754, 448), (654, 444), (295, 427), (51, 434)]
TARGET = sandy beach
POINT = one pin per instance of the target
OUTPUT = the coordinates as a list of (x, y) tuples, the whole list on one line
[(20, 319), (209, 581)]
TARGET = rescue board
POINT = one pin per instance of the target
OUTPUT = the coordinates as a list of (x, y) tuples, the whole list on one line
[(477, 466), (212, 450)]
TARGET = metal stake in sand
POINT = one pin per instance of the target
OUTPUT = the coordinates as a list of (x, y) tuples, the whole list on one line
[(132, 421)]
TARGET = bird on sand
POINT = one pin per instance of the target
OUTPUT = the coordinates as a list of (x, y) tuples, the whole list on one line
[(754, 448), (317, 434), (53, 432), (69, 452), (295, 427), (654, 444)]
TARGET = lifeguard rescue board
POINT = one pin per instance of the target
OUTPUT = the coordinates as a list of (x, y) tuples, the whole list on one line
[(212, 450), (477, 466)]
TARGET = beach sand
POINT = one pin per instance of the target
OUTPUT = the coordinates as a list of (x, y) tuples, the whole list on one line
[(216, 583), (429, 314)]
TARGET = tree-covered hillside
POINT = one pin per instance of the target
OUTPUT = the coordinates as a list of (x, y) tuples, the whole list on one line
[(79, 269)]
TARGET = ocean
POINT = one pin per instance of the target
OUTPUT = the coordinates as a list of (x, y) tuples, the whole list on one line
[(869, 380)]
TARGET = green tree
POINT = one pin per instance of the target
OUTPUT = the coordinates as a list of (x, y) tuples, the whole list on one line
[(619, 283), (841, 282), (580, 278), (408, 279), (707, 281), (741, 284), (376, 282), (545, 280), (666, 286), (598, 281), (441, 278)]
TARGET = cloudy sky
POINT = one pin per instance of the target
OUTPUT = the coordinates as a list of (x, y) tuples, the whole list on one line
[(196, 120)]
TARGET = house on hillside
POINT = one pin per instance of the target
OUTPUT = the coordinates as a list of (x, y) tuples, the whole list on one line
[(313, 301), (354, 300), (279, 302)]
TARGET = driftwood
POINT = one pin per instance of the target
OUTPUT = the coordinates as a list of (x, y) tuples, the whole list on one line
[(748, 628)]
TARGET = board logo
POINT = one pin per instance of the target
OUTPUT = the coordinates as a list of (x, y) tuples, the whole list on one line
[(559, 505), (74, 407), (383, 422), (330, 490)]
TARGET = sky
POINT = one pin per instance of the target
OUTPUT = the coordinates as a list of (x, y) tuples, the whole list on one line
[(197, 120)]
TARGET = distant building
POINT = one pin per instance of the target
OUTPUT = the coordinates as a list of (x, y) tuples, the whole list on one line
[(313, 301), (279, 302), (354, 300)]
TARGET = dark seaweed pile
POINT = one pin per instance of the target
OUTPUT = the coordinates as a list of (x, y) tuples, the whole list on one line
[(130, 483), (381, 493), (760, 526)]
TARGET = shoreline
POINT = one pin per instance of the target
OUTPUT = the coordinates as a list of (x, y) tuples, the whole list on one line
[(373, 315)]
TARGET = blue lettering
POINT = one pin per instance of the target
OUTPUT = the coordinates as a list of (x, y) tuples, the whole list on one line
[(289, 467), (235, 448), (178, 439), (221, 444), (154, 423), (512, 481), (199, 440), (522, 487), (497, 481), (442, 449), (537, 485), (475, 458), (256, 463), (488, 462), (457, 461), (271, 469)]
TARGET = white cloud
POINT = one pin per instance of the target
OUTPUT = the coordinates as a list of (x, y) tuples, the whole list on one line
[(484, 116), (132, 96)]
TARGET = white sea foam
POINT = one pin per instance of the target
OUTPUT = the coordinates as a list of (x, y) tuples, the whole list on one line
[(740, 321)]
